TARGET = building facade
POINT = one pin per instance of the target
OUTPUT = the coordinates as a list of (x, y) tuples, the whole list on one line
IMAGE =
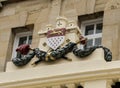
[(27, 22)]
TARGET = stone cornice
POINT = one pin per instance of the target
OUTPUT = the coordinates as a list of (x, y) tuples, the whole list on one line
[(56, 74)]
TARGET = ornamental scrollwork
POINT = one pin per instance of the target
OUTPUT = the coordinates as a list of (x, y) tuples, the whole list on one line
[(26, 53)]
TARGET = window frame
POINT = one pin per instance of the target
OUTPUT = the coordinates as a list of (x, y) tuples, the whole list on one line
[(90, 22), (16, 41)]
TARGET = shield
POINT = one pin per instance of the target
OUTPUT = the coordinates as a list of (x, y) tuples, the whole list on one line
[(55, 38)]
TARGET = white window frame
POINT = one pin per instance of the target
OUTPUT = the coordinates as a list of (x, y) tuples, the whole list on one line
[(94, 35), (16, 41)]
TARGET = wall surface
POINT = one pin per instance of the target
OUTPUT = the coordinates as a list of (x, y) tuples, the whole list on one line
[(43, 12), (93, 73)]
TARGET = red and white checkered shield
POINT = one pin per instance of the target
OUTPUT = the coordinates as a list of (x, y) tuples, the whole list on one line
[(55, 38)]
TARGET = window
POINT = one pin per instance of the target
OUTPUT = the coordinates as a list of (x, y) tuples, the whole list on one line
[(21, 38), (92, 29)]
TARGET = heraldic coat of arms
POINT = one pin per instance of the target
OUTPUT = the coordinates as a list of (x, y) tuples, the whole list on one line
[(60, 46), (55, 38)]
